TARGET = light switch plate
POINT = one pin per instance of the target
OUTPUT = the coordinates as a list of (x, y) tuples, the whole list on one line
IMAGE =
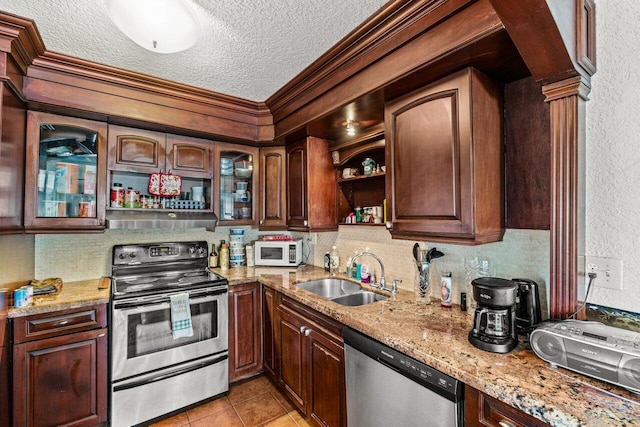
[(609, 271)]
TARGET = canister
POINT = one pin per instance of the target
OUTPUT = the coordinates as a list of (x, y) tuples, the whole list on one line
[(117, 195), (130, 197), (20, 297), (445, 289)]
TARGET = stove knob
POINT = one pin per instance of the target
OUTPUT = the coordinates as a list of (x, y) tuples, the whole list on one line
[(201, 251), (132, 255), (122, 255), (192, 250)]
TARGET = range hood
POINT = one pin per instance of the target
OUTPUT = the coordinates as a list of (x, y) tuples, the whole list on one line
[(123, 219)]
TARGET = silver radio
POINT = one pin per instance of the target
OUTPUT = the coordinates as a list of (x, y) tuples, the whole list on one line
[(591, 348)]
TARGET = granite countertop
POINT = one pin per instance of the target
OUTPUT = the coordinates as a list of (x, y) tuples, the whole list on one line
[(437, 336), (72, 295)]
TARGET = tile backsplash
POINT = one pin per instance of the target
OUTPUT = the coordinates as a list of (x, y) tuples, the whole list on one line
[(522, 253), (16, 259)]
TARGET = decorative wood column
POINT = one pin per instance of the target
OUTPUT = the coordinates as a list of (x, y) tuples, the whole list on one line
[(567, 100)]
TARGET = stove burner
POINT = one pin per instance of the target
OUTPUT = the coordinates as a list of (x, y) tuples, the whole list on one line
[(141, 281), (194, 273)]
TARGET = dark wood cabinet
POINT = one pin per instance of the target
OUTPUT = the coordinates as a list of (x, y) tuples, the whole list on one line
[(481, 410), (312, 363), (13, 124), (60, 368), (445, 157), (273, 189), (65, 175), (245, 331), (270, 342), (5, 371), (311, 186), (189, 156)]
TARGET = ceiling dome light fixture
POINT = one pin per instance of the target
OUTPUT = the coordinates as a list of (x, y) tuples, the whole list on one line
[(351, 127), (162, 26)]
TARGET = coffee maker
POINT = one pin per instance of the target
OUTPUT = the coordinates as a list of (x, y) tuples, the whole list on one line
[(494, 323)]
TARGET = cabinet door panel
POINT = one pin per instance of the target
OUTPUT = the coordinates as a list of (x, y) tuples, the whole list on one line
[(297, 186), (189, 156), (270, 341), (245, 344), (273, 187), (326, 380), (61, 381), (136, 150), (293, 369)]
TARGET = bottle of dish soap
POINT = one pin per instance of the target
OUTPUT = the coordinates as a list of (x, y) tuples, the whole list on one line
[(334, 261), (357, 269)]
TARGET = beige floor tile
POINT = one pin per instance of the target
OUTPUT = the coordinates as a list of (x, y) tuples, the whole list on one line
[(208, 408), (282, 399), (246, 390), (299, 419), (225, 418), (282, 421), (259, 410), (178, 420)]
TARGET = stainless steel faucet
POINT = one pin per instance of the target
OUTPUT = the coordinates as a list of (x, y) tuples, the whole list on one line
[(382, 285)]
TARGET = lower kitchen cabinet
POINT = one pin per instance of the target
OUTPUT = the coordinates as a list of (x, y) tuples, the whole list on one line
[(312, 363), (245, 333), (483, 410), (5, 373), (60, 368), (270, 349)]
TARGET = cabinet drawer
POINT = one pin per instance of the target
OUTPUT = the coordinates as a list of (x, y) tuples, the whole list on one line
[(63, 322), (482, 410)]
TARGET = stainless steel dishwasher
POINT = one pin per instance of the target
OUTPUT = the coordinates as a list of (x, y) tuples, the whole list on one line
[(388, 388)]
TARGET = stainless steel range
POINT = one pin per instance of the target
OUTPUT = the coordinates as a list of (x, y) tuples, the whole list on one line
[(160, 364)]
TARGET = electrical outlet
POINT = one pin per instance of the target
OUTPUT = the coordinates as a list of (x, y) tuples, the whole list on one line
[(609, 271), (313, 238)]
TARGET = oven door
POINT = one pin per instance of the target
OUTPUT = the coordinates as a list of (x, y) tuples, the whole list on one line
[(142, 339)]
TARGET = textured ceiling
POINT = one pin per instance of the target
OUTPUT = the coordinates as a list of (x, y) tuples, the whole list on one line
[(248, 49)]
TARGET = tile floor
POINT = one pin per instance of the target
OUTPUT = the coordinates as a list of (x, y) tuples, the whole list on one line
[(251, 403)]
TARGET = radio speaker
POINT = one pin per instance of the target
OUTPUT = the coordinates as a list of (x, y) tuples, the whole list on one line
[(549, 347), (630, 372)]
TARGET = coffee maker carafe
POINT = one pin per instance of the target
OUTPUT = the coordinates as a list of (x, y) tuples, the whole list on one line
[(494, 323)]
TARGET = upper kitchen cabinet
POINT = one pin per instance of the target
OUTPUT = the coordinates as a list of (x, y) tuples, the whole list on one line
[(65, 175), (311, 186), (144, 151), (273, 192), (12, 142), (238, 171), (444, 153)]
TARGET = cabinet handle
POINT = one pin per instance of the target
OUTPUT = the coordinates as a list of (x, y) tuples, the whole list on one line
[(388, 225), (261, 222), (101, 335), (307, 332), (505, 423), (63, 322), (305, 223), (302, 329)]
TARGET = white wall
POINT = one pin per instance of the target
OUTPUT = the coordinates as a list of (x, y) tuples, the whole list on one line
[(613, 150)]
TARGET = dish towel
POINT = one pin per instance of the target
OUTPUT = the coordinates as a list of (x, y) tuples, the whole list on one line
[(181, 316)]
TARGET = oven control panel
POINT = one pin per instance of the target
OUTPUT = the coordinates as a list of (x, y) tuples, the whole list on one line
[(156, 252)]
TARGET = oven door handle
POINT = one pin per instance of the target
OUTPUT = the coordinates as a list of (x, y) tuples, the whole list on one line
[(193, 296), (170, 374)]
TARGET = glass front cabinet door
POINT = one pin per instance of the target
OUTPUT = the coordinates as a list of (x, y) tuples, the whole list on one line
[(65, 174), (237, 169)]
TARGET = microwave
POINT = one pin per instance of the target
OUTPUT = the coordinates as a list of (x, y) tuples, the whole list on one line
[(278, 253)]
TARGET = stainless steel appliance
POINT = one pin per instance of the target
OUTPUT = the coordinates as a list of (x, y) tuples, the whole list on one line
[(388, 388), (278, 253), (494, 323), (152, 372)]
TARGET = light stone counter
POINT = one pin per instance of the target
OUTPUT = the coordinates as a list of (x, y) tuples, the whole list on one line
[(72, 295), (438, 337)]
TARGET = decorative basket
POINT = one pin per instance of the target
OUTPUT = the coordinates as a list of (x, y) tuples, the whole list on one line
[(165, 184)]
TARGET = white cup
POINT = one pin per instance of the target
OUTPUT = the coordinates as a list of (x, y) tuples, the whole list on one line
[(197, 194)]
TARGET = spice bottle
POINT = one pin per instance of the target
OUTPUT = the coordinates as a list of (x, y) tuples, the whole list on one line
[(117, 195), (224, 255)]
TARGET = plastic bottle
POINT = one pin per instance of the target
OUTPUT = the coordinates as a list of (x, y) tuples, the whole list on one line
[(213, 257), (445, 289), (357, 270), (334, 261), (224, 255), (349, 269), (327, 261), (365, 270)]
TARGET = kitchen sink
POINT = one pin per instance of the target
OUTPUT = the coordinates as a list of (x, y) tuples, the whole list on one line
[(341, 291), (330, 288), (359, 298)]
